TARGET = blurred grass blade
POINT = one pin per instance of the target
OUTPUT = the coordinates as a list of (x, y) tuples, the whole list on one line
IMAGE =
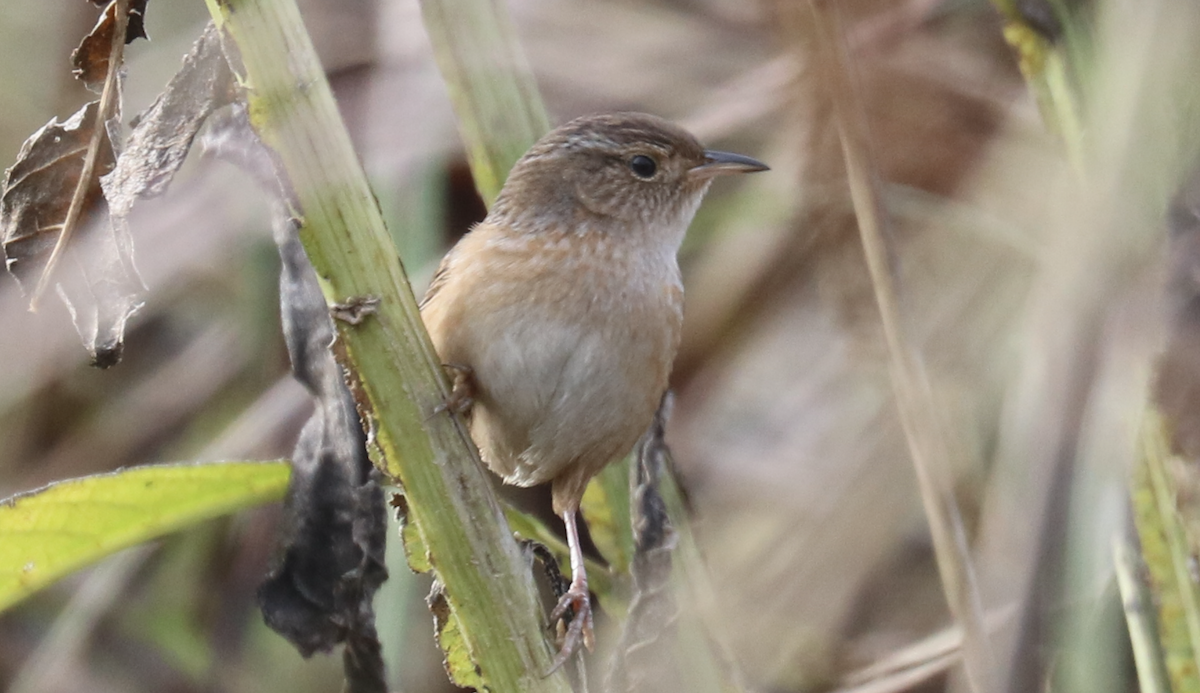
[(48, 533), (710, 663), (1043, 45), (1088, 632), (1168, 557), (913, 393), (906, 679), (68, 640), (605, 507), (1068, 436), (500, 112), (1139, 615)]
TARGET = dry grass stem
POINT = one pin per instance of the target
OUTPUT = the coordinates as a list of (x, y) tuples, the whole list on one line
[(914, 396), (906, 679)]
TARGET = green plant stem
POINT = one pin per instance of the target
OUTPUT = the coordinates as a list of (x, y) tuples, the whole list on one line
[(500, 112), (393, 370)]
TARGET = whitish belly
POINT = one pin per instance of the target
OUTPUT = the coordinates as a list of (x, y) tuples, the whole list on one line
[(570, 387)]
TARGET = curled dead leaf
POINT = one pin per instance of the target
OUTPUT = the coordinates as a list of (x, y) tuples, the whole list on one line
[(165, 131), (91, 58), (71, 174), (38, 190)]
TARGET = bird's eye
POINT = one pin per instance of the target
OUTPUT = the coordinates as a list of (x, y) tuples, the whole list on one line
[(643, 167)]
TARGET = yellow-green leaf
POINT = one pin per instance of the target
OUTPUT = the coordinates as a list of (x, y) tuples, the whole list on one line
[(460, 664), (605, 506), (47, 533), (610, 588), (415, 548)]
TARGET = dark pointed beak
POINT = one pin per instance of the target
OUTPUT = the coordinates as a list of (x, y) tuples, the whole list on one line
[(723, 163)]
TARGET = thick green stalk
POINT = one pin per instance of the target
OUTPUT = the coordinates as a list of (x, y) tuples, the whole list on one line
[(500, 113), (393, 369)]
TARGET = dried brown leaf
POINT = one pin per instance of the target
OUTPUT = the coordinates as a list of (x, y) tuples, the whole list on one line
[(39, 188), (101, 131), (106, 293), (155, 151), (92, 57), (57, 180), (165, 131), (39, 193), (48, 193)]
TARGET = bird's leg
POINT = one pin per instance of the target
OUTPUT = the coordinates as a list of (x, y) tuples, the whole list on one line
[(577, 600), (462, 391)]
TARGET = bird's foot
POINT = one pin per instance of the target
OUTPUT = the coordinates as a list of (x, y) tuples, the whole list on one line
[(462, 392), (578, 603)]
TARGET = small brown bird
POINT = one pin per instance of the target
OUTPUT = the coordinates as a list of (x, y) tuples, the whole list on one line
[(560, 313)]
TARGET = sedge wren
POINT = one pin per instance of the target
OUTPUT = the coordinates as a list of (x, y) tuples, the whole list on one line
[(560, 313)]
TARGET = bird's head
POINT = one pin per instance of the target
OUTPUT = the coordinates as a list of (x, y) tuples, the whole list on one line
[(631, 171)]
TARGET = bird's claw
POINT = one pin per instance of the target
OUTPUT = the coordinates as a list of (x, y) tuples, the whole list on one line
[(578, 603), (462, 392)]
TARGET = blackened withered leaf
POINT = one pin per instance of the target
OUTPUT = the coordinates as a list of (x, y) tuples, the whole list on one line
[(330, 561), (92, 57), (137, 21), (39, 187), (319, 592), (644, 658), (165, 131), (137, 13)]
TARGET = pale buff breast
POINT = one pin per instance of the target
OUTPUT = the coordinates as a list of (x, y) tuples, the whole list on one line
[(571, 346)]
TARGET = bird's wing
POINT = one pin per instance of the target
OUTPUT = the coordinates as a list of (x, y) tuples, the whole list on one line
[(439, 280)]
